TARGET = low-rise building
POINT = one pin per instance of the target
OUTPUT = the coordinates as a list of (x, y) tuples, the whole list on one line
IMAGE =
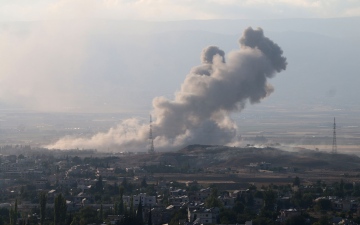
[(203, 215), (145, 200)]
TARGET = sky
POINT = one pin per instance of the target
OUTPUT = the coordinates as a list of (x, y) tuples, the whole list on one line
[(84, 55), (169, 10)]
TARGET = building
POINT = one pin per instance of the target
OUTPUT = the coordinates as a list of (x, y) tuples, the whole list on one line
[(203, 216), (145, 200)]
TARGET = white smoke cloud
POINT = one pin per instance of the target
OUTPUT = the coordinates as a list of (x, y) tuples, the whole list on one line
[(200, 111)]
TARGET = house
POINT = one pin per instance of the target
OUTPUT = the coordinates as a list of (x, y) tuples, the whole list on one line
[(81, 197), (345, 205), (199, 196), (160, 214), (41, 183), (178, 200), (287, 213), (203, 215), (145, 200), (177, 192), (105, 172), (227, 201)]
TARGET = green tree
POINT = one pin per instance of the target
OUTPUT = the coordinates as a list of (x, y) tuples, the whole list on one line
[(101, 213), (228, 216), (124, 184), (296, 181), (75, 221), (139, 213), (180, 214), (76, 160), (144, 183), (263, 221), (324, 220), (88, 215), (131, 213), (13, 214), (212, 200), (323, 205), (99, 186), (296, 220), (43, 200), (116, 208), (59, 210), (121, 207), (269, 200), (150, 218), (121, 204)]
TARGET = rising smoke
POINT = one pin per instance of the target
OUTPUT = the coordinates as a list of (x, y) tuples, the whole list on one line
[(200, 112)]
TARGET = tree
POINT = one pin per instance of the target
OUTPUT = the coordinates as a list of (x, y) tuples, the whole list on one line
[(88, 215), (121, 206), (323, 205), (131, 207), (69, 219), (76, 160), (139, 213), (59, 210), (121, 190), (296, 181), (324, 220), (5, 215), (101, 213), (75, 221), (212, 200), (99, 185), (143, 183), (116, 208), (269, 200), (150, 218), (296, 220), (13, 214), (42, 199), (228, 216), (124, 183)]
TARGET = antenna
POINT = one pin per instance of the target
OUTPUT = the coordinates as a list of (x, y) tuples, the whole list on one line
[(334, 146), (151, 139)]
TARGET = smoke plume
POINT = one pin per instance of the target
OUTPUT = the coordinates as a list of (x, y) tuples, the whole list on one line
[(200, 111)]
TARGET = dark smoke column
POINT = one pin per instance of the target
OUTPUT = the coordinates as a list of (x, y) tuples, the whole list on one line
[(219, 86)]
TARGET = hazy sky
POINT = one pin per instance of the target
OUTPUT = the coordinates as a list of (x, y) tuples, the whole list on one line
[(164, 10), (79, 55)]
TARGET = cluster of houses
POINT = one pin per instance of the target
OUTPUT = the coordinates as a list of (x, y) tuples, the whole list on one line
[(81, 178)]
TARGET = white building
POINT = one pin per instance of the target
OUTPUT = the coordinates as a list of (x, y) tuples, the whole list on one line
[(203, 215), (145, 200)]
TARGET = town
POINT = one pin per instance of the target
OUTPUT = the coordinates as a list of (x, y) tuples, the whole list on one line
[(40, 186)]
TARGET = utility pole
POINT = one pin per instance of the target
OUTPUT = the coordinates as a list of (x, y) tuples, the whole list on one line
[(334, 145), (151, 139)]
